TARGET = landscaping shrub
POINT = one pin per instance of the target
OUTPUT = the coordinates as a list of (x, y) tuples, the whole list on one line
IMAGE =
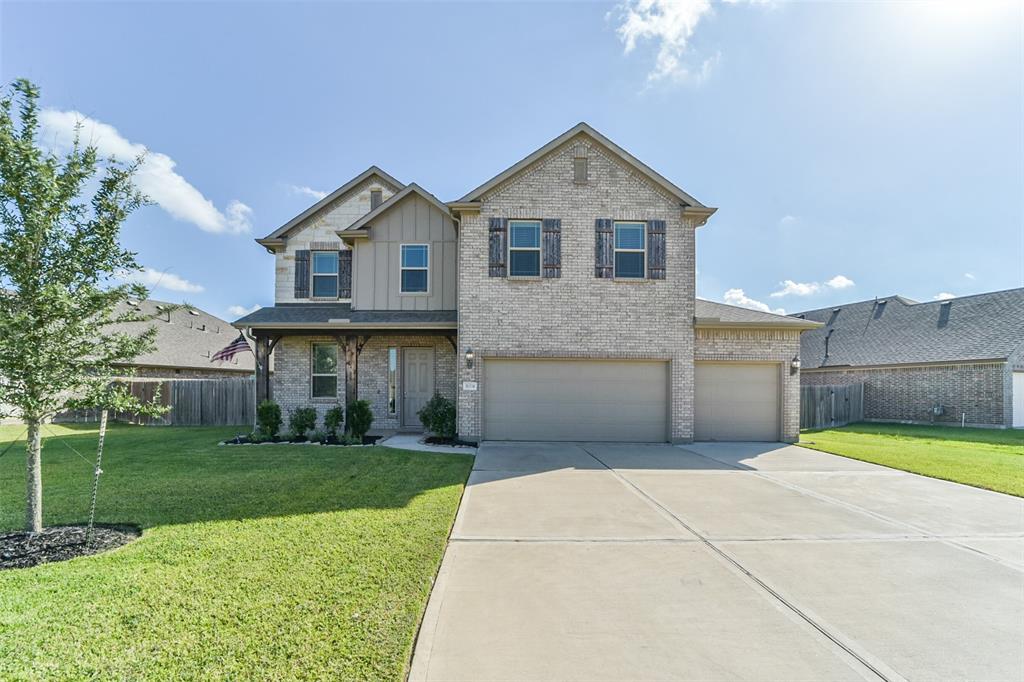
[(359, 417), (268, 419), (301, 420), (333, 420), (438, 416)]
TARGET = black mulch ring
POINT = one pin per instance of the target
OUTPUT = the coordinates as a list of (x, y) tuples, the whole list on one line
[(438, 440), (331, 440), (60, 543)]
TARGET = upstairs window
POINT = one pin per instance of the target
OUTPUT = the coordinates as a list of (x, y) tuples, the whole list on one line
[(630, 250), (376, 198), (524, 248), (325, 370), (415, 268), (325, 274)]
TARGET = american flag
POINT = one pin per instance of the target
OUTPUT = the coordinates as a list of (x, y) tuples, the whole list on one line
[(229, 351)]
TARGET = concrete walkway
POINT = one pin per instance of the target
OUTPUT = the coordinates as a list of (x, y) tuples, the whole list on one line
[(720, 562)]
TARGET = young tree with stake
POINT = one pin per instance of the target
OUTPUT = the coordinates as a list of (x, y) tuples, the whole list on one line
[(62, 271)]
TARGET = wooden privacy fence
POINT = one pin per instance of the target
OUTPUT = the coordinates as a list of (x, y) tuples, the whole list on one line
[(825, 406), (193, 402)]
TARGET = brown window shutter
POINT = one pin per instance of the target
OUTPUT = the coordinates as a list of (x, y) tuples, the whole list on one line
[(345, 274), (604, 249), (302, 273), (497, 247), (552, 246), (656, 249)]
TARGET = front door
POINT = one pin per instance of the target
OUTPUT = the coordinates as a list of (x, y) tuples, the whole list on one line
[(417, 382)]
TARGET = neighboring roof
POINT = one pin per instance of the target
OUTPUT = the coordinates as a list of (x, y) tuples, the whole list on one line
[(712, 314), (896, 330), (331, 198), (341, 316), (394, 199), (585, 129), (186, 338)]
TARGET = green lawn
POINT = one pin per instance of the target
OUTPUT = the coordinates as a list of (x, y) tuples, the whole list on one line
[(263, 562), (986, 458)]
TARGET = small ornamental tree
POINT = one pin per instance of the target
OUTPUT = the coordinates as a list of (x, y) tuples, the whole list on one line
[(62, 271), (360, 417)]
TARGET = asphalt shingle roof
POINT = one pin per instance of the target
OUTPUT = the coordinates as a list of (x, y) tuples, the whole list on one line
[(324, 313), (896, 330), (184, 339), (720, 313)]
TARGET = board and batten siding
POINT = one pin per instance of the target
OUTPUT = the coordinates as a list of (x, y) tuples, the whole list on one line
[(376, 281)]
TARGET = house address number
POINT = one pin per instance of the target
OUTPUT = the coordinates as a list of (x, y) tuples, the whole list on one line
[(468, 385)]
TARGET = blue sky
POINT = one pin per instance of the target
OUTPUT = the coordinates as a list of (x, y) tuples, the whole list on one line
[(854, 149)]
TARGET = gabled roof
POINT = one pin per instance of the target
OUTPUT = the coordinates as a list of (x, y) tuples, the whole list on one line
[(585, 129), (331, 198), (186, 338), (712, 314), (897, 331), (393, 200)]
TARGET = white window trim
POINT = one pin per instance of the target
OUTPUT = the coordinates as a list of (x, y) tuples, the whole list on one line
[(313, 275), (402, 268), (313, 373), (616, 249), (538, 248)]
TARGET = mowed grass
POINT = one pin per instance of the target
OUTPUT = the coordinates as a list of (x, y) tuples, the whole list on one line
[(986, 458), (263, 562)]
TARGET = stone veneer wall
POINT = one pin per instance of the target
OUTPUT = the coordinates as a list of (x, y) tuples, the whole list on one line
[(907, 394), (759, 345), (291, 384), (321, 229), (577, 315)]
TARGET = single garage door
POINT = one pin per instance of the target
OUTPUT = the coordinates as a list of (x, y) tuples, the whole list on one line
[(595, 400), (736, 401), (1018, 399)]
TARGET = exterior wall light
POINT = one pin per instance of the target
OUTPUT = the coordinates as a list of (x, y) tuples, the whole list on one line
[(469, 357), (794, 366)]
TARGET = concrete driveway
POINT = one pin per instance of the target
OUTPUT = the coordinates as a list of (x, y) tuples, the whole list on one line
[(721, 562)]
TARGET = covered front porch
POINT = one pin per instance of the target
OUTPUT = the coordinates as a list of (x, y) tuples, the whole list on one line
[(394, 360)]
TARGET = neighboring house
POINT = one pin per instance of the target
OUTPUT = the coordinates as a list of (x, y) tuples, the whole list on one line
[(553, 302), (948, 361), (186, 340)]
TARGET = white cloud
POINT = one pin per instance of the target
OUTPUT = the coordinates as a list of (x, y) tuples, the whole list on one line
[(669, 24), (240, 310), (944, 296), (969, 275), (791, 288), (156, 177), (787, 220), (307, 191), (155, 279), (738, 297), (840, 282)]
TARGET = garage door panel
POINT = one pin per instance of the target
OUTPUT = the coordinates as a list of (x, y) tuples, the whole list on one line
[(575, 400), (736, 401)]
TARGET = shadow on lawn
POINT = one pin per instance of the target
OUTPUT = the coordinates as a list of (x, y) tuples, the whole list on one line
[(925, 432), (173, 475)]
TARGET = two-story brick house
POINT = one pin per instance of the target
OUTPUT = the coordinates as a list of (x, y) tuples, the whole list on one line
[(554, 302)]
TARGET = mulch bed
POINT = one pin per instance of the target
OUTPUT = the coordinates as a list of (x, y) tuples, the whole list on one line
[(60, 543), (245, 440), (454, 442)]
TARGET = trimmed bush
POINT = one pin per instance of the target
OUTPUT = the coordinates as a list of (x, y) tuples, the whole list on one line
[(301, 420), (268, 419), (359, 417), (333, 420), (438, 416)]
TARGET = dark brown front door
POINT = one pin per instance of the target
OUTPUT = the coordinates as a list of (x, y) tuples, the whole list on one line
[(417, 382)]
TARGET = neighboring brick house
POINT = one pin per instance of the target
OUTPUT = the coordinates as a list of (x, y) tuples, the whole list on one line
[(952, 361), (554, 302), (186, 340)]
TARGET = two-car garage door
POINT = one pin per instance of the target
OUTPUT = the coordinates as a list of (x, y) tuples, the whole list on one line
[(575, 400)]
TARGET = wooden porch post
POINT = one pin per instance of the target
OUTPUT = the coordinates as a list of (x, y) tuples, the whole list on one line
[(351, 369), (264, 348)]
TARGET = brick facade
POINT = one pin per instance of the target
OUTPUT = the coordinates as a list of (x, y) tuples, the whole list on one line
[(981, 391), (577, 315), (292, 386), (759, 345)]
